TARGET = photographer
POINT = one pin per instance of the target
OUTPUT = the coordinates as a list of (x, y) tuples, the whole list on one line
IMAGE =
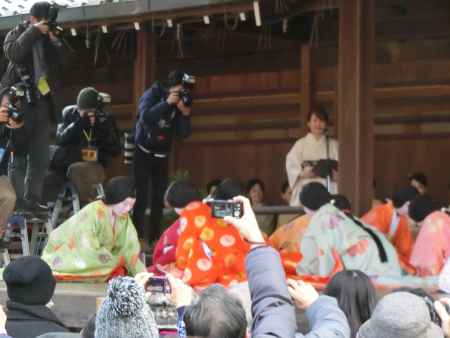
[(34, 54), (163, 112), (87, 138), (10, 129)]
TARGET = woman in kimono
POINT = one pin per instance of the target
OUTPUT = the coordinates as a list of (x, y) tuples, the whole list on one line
[(391, 219), (178, 196), (332, 232), (316, 145), (100, 241), (209, 250), (432, 247)]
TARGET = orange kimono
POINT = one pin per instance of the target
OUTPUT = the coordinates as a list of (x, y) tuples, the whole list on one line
[(209, 250), (398, 232), (287, 241)]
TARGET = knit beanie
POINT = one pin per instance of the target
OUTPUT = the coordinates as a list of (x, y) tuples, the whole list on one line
[(404, 195), (314, 195), (181, 193), (118, 189), (400, 315), (420, 208), (125, 312), (29, 280), (40, 10), (88, 98)]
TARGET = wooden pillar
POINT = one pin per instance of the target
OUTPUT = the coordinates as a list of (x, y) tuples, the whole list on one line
[(355, 101), (144, 64), (306, 90)]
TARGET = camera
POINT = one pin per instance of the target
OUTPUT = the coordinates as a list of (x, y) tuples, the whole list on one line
[(51, 20), (222, 209), (188, 83), (15, 95), (160, 302)]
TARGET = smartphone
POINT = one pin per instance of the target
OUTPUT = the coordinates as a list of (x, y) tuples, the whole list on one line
[(158, 285), (221, 209)]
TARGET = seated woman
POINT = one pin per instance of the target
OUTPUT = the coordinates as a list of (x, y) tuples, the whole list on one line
[(210, 250), (255, 192), (286, 240), (391, 219), (178, 196), (432, 247), (100, 241), (331, 232), (356, 296)]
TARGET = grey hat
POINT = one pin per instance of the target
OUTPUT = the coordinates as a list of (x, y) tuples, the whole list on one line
[(400, 315), (125, 312)]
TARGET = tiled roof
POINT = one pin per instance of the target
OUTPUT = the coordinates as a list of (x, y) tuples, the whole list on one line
[(15, 7)]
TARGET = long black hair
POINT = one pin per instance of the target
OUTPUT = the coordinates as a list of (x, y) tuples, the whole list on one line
[(356, 296)]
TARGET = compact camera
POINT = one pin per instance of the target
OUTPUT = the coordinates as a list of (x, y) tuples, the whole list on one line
[(160, 302), (185, 94), (222, 209)]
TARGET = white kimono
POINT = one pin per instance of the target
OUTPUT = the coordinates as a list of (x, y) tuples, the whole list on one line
[(308, 148)]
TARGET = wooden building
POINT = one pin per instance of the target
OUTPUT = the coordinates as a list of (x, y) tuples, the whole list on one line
[(382, 67)]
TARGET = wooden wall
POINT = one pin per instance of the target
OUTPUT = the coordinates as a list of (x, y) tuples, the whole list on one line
[(247, 109)]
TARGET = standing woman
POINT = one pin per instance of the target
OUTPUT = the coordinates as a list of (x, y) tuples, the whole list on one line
[(316, 145)]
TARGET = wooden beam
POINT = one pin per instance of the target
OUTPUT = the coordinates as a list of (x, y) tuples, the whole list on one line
[(144, 65), (355, 101), (306, 92)]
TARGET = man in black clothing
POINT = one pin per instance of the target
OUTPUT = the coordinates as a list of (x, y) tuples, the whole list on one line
[(87, 138), (163, 112), (34, 54)]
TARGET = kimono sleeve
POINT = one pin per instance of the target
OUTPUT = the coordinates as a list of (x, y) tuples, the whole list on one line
[(128, 246), (294, 160)]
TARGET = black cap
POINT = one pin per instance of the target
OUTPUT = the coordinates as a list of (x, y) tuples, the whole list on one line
[(420, 208), (314, 195), (118, 189), (29, 280), (175, 78), (40, 10), (404, 195)]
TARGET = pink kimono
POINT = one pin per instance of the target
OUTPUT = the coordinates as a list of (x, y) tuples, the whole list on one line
[(432, 247)]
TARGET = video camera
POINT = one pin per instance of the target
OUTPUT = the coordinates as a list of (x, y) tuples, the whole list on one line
[(15, 95), (185, 94)]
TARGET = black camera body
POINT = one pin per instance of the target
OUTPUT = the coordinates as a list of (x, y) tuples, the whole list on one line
[(15, 95), (185, 93), (51, 20)]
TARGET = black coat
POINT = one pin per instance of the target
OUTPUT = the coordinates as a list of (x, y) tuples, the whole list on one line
[(18, 46), (70, 138), (29, 321)]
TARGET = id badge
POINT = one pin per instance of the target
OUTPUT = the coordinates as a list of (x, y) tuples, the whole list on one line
[(89, 154), (43, 86)]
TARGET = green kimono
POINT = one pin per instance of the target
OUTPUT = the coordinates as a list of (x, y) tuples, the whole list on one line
[(93, 246)]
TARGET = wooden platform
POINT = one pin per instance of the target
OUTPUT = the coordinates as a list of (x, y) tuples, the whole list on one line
[(74, 303)]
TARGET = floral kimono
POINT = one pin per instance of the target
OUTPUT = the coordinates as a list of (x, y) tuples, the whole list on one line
[(331, 232), (396, 229), (209, 250), (93, 245), (287, 241), (432, 247)]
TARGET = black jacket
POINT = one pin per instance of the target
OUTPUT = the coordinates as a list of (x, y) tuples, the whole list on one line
[(18, 46), (29, 321), (158, 121), (71, 138)]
